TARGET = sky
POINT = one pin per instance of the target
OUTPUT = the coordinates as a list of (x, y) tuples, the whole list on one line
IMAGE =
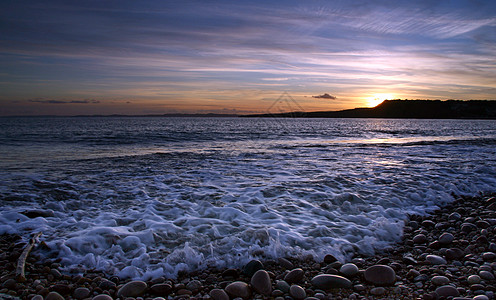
[(154, 57)]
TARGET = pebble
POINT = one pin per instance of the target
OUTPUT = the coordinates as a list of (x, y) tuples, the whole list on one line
[(218, 294), (285, 263), (329, 258), (420, 239), (297, 292), (294, 276), (161, 289), (435, 259), (54, 296), (380, 275), (481, 297), (378, 291), (488, 256), (282, 286), (327, 282), (102, 297), (473, 279), (440, 280), (238, 289), (260, 281), (81, 293), (446, 238), (132, 289), (447, 291), (349, 270), (486, 275), (253, 266), (194, 285)]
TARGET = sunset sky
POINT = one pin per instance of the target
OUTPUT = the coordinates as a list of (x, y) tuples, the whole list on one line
[(153, 57)]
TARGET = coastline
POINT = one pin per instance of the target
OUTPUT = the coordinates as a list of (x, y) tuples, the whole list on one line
[(448, 253)]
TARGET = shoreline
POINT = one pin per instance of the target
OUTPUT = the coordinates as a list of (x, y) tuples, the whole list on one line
[(449, 253)]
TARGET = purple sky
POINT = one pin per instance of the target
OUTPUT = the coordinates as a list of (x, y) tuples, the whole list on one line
[(141, 57)]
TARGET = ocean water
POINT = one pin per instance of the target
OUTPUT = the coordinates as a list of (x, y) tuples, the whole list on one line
[(143, 197)]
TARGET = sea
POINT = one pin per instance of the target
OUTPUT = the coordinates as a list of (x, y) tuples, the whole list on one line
[(144, 197)]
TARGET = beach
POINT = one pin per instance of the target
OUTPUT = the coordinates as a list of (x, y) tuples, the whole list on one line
[(448, 254)]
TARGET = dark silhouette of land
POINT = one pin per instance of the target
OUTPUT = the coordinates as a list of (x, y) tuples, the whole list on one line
[(406, 109)]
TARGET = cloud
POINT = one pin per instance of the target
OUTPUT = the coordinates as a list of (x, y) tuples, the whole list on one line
[(52, 101), (325, 96)]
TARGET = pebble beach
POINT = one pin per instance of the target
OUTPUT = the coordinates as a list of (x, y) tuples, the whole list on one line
[(448, 254)]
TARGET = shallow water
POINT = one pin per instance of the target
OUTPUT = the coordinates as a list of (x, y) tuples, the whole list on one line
[(145, 197)]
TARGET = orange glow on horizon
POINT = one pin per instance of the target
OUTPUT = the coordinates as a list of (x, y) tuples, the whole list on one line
[(376, 99)]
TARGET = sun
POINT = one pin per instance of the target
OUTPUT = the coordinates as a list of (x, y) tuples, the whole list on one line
[(376, 99)]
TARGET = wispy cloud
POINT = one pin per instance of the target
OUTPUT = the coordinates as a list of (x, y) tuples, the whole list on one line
[(325, 96), (53, 101)]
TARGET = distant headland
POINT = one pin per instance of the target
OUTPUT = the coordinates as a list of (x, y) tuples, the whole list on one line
[(406, 109)]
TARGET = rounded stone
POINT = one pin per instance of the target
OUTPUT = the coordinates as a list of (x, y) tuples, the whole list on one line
[(420, 239), (446, 238), (81, 293), (194, 285), (329, 258), (435, 259), (447, 291), (54, 296), (238, 289), (297, 292), (488, 256), (327, 282), (285, 263), (282, 286), (132, 289), (218, 294), (468, 227), (481, 297), (486, 275), (253, 266), (260, 281), (454, 253), (349, 270), (102, 297), (378, 291), (161, 289), (380, 275), (473, 279), (440, 280), (294, 276)]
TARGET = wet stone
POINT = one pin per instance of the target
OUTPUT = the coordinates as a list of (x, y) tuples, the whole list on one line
[(380, 275), (218, 294), (285, 263), (238, 289), (260, 281), (161, 289), (446, 238), (440, 280), (81, 293), (282, 286), (486, 275), (102, 297), (253, 266), (349, 270), (327, 282), (420, 239), (297, 292), (435, 259), (294, 276), (329, 258), (54, 296), (378, 291), (132, 289), (447, 291)]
